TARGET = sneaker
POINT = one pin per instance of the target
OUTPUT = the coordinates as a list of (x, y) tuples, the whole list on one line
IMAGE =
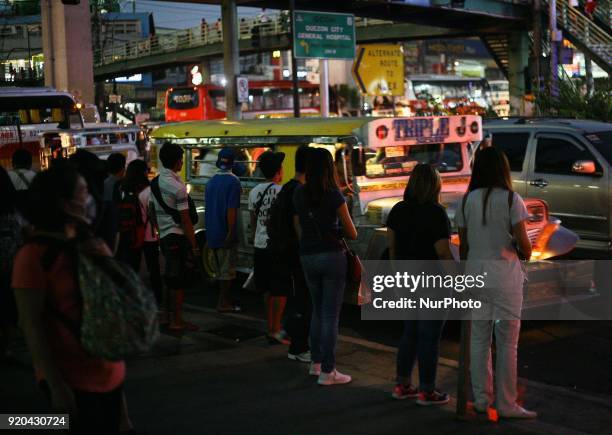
[(333, 378), (278, 338), (315, 369), (518, 412), (401, 392), (301, 357), (433, 398)]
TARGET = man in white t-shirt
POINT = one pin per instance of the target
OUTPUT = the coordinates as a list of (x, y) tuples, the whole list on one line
[(260, 201), (22, 174)]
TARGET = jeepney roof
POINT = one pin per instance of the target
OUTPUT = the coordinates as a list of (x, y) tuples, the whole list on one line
[(262, 127)]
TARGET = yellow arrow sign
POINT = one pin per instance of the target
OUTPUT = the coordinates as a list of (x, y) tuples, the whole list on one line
[(378, 69)]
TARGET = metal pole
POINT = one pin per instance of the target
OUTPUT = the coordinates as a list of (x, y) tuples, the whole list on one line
[(463, 376), (537, 45), (231, 57), (294, 67), (324, 87), (588, 71), (554, 71)]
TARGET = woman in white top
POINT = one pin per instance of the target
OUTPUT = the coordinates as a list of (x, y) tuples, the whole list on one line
[(491, 221)]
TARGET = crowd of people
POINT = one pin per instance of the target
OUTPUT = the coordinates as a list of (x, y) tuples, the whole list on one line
[(298, 231)]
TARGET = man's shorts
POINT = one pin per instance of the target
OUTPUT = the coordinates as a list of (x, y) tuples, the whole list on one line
[(225, 263), (180, 267), (269, 274)]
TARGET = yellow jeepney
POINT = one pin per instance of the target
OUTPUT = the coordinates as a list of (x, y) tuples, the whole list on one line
[(374, 158)]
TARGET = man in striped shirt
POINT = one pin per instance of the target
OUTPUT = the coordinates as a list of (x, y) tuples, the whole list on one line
[(170, 203)]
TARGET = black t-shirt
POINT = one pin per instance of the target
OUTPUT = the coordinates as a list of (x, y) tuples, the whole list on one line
[(319, 224), (417, 228)]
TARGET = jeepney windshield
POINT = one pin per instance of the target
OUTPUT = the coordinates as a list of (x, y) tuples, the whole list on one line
[(400, 160), (203, 162)]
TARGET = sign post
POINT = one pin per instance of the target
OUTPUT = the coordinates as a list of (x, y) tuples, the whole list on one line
[(323, 35)]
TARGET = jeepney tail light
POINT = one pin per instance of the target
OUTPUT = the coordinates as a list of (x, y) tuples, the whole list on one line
[(381, 132)]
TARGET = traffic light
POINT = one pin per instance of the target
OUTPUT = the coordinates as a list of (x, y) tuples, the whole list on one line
[(71, 2)]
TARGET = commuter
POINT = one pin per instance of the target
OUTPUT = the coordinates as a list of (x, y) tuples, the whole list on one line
[(320, 210), (10, 239), (116, 171), (172, 215), (261, 198), (204, 30), (132, 218), (222, 199), (102, 215), (151, 243), (589, 8), (22, 173), (47, 294), (283, 244), (418, 229), (490, 217)]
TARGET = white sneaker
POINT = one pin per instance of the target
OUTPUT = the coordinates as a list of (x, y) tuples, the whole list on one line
[(315, 369), (518, 412), (301, 357), (333, 378)]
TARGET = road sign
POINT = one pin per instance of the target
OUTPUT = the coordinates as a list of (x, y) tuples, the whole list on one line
[(323, 35), (379, 69), (242, 89)]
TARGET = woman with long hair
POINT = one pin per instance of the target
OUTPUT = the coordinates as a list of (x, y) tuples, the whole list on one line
[(47, 293), (491, 221), (322, 219), (418, 229)]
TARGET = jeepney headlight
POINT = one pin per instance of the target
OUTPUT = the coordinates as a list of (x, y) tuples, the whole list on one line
[(68, 140), (188, 188)]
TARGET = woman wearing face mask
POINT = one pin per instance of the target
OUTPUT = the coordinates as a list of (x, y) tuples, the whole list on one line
[(46, 290)]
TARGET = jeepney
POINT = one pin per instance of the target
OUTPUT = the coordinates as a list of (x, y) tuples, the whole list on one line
[(373, 158), (101, 139)]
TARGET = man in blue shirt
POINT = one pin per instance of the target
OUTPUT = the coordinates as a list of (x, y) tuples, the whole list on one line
[(222, 201)]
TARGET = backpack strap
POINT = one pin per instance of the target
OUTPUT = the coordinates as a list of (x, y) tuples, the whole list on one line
[(510, 200), (261, 199), (156, 191), (22, 177)]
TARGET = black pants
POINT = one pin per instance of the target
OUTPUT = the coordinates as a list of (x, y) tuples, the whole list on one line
[(98, 413), (130, 256), (299, 309), (151, 254)]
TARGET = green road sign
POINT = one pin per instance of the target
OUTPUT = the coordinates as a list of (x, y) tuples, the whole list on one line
[(323, 35)]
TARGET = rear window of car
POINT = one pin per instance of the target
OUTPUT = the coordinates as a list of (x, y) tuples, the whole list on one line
[(602, 141)]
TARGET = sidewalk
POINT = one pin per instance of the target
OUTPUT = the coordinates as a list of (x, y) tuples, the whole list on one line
[(226, 379)]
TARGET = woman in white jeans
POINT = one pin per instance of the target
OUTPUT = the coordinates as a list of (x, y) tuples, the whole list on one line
[(491, 221)]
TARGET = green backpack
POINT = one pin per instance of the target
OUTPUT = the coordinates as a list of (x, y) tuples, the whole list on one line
[(119, 313)]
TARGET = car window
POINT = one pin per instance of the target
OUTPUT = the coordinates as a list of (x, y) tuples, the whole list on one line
[(514, 145), (556, 156)]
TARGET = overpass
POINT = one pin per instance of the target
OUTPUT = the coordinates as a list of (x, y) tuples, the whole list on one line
[(192, 45), (501, 24)]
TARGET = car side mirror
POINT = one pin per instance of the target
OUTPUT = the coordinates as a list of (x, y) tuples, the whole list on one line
[(584, 167)]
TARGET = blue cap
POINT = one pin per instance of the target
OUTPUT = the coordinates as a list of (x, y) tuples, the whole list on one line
[(225, 159)]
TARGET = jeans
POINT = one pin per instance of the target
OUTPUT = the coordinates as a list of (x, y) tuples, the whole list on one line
[(325, 275), (420, 341)]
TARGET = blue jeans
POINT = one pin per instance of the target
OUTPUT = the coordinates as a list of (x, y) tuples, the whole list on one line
[(325, 275), (420, 340)]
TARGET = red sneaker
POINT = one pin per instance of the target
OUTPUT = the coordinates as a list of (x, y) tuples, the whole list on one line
[(401, 392), (433, 398)]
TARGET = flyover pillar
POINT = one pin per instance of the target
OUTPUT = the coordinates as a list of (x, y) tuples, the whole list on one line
[(518, 61), (231, 59), (67, 48)]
